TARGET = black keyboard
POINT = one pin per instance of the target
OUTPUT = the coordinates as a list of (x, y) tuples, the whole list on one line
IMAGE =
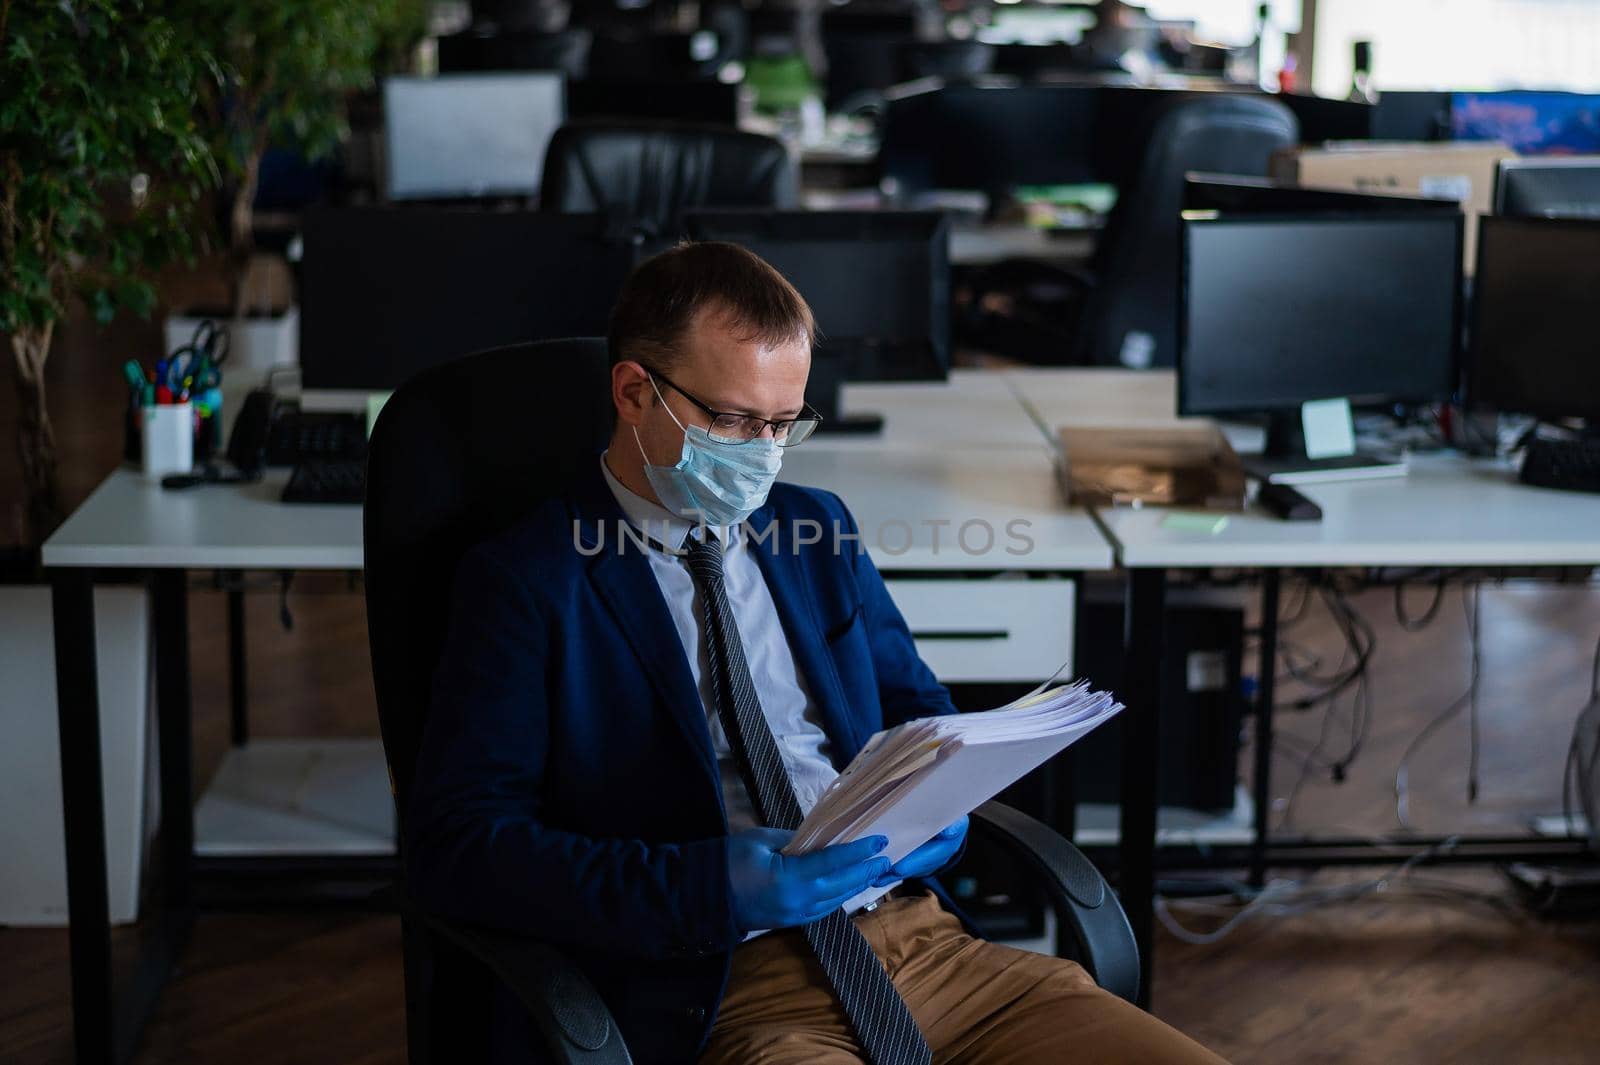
[(327, 481), (1569, 464), (298, 435)]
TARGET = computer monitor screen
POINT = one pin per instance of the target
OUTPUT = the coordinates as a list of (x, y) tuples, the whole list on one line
[(877, 281), (1323, 119), (1412, 116), (386, 292), (1551, 187), (713, 102), (1279, 311), (990, 138), (1244, 195), (466, 135), (1535, 346), (1528, 122)]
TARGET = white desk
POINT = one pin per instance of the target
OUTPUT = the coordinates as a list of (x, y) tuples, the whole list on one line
[(1093, 398), (1090, 397), (129, 521), (973, 409), (897, 496), (1448, 511), (975, 245)]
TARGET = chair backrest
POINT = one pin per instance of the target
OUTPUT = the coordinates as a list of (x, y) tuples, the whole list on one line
[(1131, 319), (460, 452), (649, 173)]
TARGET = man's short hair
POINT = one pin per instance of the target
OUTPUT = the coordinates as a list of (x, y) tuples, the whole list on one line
[(664, 293)]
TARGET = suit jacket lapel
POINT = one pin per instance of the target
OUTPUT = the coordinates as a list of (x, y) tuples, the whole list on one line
[(623, 580), (791, 593)]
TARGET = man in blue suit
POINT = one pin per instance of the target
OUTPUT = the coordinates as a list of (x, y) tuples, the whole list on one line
[(647, 683)]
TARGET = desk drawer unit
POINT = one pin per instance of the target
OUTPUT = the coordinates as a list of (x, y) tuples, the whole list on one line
[(998, 630)]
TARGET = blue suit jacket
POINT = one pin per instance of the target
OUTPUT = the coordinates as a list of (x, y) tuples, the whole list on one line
[(567, 788)]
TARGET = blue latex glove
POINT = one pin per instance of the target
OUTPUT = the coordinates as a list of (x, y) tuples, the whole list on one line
[(776, 890), (929, 858)]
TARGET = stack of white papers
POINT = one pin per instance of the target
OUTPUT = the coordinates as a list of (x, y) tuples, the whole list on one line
[(910, 781)]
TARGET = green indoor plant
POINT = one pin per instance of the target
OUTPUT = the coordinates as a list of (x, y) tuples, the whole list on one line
[(288, 69), (102, 165)]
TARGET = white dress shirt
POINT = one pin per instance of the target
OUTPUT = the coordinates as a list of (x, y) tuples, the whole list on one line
[(786, 703)]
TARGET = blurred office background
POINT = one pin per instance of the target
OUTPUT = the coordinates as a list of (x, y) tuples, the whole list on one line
[(962, 188)]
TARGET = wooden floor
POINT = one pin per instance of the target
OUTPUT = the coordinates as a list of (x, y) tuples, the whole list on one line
[(1399, 976)]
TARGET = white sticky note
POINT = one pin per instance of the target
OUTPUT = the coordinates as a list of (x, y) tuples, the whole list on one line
[(1330, 431)]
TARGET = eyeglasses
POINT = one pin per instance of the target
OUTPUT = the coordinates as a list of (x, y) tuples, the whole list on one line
[(742, 428)]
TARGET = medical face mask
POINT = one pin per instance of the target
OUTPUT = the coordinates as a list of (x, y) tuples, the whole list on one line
[(717, 484)]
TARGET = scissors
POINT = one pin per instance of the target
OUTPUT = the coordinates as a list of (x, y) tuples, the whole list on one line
[(197, 366)]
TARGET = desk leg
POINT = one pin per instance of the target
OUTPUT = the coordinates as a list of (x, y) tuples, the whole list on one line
[(1141, 694), (238, 673), (83, 810), (170, 590), (1265, 693)]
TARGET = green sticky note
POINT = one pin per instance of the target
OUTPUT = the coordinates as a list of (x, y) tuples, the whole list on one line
[(1190, 521), (375, 402)]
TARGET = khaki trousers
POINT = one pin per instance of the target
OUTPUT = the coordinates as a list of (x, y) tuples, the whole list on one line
[(977, 1003)]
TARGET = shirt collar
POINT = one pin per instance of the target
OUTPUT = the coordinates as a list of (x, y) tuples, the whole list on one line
[(656, 521)]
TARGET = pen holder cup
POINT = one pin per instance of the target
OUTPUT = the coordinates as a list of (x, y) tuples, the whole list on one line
[(168, 436)]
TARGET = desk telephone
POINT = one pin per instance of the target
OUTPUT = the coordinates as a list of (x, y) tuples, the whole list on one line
[(276, 432)]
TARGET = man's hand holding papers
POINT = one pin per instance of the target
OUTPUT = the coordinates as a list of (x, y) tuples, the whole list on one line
[(910, 782)]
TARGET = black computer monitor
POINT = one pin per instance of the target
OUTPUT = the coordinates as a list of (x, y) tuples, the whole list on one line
[(1412, 116), (1324, 119), (1281, 310), (1556, 186), (469, 135), (1535, 346), (471, 50), (863, 50), (877, 281), (992, 138), (1247, 195), (386, 292), (712, 102)]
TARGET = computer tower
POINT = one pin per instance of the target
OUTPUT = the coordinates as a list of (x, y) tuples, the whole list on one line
[(1201, 701), (1202, 707)]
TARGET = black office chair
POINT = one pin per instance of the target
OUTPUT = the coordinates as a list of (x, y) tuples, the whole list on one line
[(646, 174), (1130, 316), (455, 457)]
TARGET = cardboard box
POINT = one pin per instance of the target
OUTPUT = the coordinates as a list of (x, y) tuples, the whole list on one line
[(1463, 172), (1171, 465)]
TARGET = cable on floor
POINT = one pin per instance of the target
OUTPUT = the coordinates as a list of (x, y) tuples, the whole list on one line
[(1472, 606)]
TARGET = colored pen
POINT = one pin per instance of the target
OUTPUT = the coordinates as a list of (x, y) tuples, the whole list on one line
[(163, 390)]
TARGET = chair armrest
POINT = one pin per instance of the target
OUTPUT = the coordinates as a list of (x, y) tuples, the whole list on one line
[(1085, 907), (577, 1026)]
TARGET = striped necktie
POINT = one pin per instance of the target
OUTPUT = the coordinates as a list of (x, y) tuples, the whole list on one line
[(883, 1025)]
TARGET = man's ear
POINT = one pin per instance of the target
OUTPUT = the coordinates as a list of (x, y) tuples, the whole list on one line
[(631, 391)]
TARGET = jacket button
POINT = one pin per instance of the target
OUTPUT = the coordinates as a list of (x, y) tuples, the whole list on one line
[(695, 1014)]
